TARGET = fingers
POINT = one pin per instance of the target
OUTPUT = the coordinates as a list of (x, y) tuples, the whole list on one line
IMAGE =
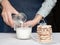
[(10, 20), (5, 17), (10, 17), (6, 14), (28, 24)]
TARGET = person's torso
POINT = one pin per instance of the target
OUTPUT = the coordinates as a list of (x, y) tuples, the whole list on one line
[(29, 7)]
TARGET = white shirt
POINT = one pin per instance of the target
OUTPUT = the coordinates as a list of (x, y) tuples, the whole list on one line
[(46, 7)]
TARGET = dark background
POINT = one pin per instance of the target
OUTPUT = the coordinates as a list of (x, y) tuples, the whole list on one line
[(53, 18)]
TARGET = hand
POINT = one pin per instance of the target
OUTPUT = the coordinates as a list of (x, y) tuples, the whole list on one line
[(31, 23), (7, 12)]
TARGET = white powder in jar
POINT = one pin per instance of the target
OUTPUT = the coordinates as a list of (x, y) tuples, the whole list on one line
[(23, 33)]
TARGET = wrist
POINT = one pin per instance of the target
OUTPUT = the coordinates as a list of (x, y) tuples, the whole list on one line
[(37, 18), (4, 3)]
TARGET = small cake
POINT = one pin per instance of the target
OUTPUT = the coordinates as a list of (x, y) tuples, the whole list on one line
[(44, 33)]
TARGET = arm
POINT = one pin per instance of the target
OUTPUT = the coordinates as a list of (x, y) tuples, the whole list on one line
[(43, 12), (46, 7)]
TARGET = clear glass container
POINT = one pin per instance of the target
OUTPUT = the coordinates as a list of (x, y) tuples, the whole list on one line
[(22, 32), (44, 32)]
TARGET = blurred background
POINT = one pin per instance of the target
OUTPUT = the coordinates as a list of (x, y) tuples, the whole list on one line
[(53, 18)]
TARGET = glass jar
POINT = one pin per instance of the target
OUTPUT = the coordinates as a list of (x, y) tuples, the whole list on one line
[(44, 33), (22, 32)]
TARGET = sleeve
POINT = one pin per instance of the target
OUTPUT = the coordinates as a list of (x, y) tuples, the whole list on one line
[(47, 6)]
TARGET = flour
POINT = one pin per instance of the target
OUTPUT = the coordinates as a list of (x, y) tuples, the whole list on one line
[(23, 33)]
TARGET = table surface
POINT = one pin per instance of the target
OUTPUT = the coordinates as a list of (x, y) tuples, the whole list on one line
[(10, 39)]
